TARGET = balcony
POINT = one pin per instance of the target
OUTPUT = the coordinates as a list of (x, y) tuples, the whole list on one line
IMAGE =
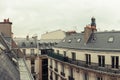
[(62, 73), (56, 69), (83, 65), (70, 78)]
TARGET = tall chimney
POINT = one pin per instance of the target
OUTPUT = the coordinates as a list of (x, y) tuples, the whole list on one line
[(93, 22), (89, 30), (27, 37), (6, 28)]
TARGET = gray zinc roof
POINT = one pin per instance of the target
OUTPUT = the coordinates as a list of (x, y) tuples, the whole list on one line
[(109, 41), (26, 43)]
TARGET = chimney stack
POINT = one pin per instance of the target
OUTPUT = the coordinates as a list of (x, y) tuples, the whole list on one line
[(6, 28), (89, 30), (27, 37)]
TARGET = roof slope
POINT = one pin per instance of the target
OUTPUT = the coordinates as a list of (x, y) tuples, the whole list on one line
[(101, 41)]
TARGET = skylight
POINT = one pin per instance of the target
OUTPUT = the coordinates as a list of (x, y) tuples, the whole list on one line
[(110, 39), (78, 40), (69, 40)]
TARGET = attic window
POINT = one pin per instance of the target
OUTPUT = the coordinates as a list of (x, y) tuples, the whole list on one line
[(31, 43), (110, 39), (69, 40), (63, 40), (78, 40), (23, 44)]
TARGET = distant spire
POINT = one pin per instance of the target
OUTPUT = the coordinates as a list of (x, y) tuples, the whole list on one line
[(93, 22)]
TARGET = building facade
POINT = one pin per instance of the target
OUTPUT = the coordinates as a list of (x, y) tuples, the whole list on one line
[(28, 46), (89, 55), (35, 51)]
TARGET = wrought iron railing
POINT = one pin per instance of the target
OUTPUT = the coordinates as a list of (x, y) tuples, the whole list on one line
[(83, 64)]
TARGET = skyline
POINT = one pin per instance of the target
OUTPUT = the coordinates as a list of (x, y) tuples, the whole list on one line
[(41, 16)]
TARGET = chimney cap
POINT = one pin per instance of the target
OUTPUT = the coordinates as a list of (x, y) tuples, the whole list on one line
[(93, 22)]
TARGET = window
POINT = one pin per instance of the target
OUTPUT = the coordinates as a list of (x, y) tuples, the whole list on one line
[(24, 51), (110, 39), (71, 72), (86, 77), (64, 52), (56, 64), (32, 51), (31, 44), (115, 61), (69, 41), (23, 44), (88, 59), (62, 67), (32, 69), (101, 61), (56, 43), (57, 51), (32, 61), (39, 44), (99, 78), (73, 56), (78, 40)]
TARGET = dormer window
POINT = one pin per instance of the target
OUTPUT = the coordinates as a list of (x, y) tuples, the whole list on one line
[(31, 43), (23, 44), (78, 40), (111, 39), (63, 40), (69, 40)]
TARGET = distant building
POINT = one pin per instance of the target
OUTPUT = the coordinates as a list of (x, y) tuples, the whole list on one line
[(90, 55), (29, 48), (35, 52)]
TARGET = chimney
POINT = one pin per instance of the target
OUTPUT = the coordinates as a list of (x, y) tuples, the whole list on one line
[(87, 33), (89, 30), (6, 28), (5, 20), (27, 37), (93, 24)]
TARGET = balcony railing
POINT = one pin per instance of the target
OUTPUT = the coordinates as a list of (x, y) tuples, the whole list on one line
[(62, 73), (56, 69), (83, 64)]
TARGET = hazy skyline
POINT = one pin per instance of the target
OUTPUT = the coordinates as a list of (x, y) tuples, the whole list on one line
[(31, 17)]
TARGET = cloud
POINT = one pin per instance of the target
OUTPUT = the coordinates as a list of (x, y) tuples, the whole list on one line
[(39, 16)]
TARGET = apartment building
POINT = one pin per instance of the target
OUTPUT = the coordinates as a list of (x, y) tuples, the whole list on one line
[(89, 55), (29, 48), (35, 52)]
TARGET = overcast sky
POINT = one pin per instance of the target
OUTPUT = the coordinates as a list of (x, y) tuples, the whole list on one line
[(39, 16)]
